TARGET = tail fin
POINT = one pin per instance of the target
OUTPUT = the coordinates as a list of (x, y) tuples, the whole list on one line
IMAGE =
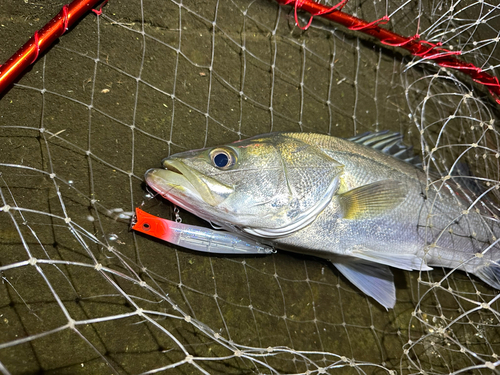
[(490, 274)]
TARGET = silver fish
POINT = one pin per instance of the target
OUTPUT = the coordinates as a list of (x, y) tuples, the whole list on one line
[(347, 201)]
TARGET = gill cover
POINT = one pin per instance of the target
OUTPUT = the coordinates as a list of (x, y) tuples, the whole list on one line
[(308, 178)]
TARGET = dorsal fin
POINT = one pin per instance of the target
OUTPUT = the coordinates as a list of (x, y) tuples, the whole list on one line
[(390, 143)]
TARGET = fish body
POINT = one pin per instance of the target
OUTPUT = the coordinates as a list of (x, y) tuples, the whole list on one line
[(360, 208)]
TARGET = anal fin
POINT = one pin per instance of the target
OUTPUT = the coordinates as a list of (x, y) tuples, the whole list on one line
[(375, 280), (409, 262)]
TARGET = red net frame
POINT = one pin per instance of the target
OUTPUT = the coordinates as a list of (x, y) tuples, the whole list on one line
[(43, 39), (69, 14)]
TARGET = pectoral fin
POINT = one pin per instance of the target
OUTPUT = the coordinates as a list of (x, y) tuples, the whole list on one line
[(375, 280), (407, 262), (369, 201)]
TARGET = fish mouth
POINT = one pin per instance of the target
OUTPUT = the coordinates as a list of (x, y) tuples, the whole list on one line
[(171, 185), (185, 186)]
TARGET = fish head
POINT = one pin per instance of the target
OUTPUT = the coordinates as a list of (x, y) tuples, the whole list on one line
[(269, 186)]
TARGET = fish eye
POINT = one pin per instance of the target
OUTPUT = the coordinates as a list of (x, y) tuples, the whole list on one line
[(222, 158)]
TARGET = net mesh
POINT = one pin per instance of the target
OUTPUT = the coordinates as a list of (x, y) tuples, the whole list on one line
[(80, 293)]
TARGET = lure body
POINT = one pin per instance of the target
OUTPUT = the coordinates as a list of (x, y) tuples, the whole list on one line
[(196, 238)]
